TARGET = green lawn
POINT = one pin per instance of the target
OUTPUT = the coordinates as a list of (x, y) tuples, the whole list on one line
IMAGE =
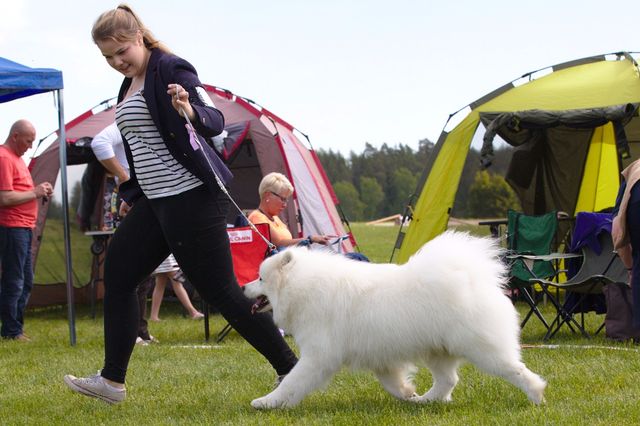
[(50, 266), (185, 380), (376, 242)]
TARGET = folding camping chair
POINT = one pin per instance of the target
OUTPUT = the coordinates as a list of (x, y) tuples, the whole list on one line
[(530, 235), (596, 271), (248, 250)]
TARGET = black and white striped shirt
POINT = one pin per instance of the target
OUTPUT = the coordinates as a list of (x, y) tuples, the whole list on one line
[(158, 173)]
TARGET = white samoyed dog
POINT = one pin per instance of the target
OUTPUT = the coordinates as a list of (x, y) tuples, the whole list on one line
[(445, 305)]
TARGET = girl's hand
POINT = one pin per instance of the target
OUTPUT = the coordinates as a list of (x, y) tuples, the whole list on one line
[(124, 209), (180, 100)]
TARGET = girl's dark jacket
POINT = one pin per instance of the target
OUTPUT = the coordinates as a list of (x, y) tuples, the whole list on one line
[(164, 69)]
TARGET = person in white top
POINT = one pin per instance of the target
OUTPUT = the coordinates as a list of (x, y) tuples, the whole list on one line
[(109, 150)]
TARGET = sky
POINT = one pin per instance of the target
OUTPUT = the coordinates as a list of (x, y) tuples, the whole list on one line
[(344, 72)]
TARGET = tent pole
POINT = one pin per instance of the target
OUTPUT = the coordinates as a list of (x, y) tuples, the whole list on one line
[(65, 214)]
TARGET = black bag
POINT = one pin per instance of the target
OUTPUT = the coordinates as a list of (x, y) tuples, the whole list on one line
[(618, 320)]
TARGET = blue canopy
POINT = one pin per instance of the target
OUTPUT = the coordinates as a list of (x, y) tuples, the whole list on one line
[(19, 81)]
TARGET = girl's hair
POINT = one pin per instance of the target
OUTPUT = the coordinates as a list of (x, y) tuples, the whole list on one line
[(276, 182), (122, 24)]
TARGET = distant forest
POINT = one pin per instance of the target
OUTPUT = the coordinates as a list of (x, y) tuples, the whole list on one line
[(380, 182)]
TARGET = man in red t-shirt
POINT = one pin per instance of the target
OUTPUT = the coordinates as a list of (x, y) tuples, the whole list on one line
[(18, 212)]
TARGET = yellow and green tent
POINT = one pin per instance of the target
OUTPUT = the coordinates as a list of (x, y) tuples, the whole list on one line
[(574, 127)]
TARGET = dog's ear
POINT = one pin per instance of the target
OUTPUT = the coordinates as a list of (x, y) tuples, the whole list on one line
[(287, 257)]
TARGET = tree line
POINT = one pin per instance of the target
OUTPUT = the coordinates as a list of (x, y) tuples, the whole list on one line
[(380, 182)]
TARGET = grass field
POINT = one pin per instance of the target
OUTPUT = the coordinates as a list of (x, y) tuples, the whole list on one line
[(185, 380), (50, 262)]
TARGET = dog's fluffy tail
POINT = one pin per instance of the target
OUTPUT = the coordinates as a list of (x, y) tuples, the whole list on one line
[(481, 256)]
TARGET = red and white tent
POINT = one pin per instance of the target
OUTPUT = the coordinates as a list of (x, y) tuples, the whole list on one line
[(258, 142)]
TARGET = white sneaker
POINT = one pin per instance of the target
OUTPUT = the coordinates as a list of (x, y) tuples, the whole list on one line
[(140, 341), (97, 387)]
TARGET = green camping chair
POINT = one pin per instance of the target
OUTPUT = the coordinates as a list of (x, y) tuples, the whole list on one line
[(530, 235)]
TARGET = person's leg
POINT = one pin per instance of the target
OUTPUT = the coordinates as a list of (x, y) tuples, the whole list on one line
[(15, 247), (156, 297), (27, 284), (135, 250), (183, 297), (199, 241), (633, 229), (142, 293)]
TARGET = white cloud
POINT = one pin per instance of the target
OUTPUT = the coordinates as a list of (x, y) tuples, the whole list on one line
[(13, 19)]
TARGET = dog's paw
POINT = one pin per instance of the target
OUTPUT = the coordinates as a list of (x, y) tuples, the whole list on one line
[(538, 398), (409, 390), (428, 398), (536, 388), (266, 403), (415, 398)]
